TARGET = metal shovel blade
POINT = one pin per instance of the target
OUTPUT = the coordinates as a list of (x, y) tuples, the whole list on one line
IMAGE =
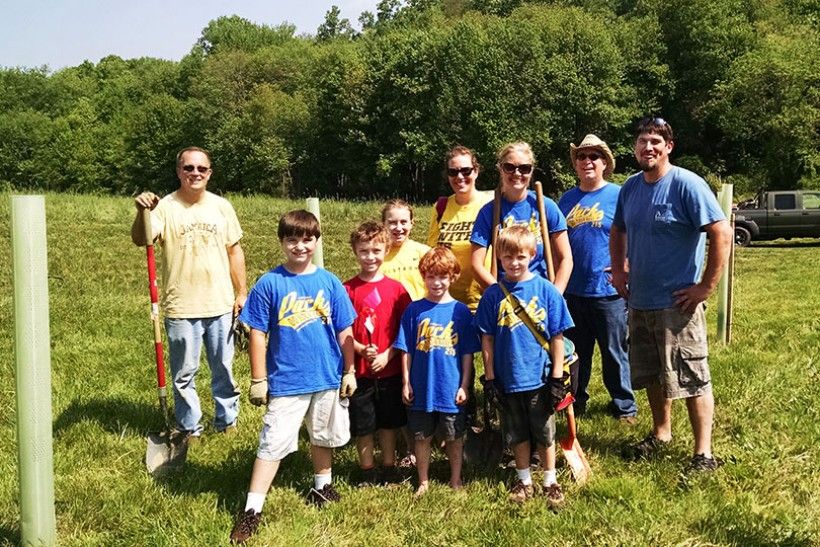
[(577, 461), (165, 452), (483, 447)]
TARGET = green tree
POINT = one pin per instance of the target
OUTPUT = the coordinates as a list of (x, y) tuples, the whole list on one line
[(334, 26)]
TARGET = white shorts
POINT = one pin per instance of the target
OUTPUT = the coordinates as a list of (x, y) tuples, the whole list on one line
[(324, 414)]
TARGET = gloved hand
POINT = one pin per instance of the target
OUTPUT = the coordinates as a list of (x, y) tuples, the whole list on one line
[(241, 334), (558, 389), (490, 392), (348, 384), (259, 391)]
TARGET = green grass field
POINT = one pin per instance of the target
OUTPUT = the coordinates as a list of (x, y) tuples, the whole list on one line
[(104, 401)]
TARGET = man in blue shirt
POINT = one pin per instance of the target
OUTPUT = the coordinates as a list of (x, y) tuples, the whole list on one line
[(657, 247)]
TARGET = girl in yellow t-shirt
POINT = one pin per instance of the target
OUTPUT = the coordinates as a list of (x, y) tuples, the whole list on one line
[(402, 260), (452, 223)]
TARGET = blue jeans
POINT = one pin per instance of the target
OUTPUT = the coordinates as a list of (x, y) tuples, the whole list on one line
[(185, 337), (602, 320)]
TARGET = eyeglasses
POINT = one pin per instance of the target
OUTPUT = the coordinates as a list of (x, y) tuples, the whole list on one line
[(592, 156), (510, 168), (464, 171), (200, 168)]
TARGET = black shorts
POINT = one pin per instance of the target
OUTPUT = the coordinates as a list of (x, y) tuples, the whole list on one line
[(527, 415), (376, 404), (446, 426)]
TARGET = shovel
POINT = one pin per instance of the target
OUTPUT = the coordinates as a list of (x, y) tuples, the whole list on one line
[(166, 450), (483, 446), (573, 453)]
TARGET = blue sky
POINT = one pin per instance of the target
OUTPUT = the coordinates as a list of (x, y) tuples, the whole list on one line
[(61, 33)]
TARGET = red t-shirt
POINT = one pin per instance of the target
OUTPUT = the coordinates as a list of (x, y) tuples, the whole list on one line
[(379, 305)]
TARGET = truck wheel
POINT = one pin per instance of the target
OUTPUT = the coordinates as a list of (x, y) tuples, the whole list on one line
[(743, 237)]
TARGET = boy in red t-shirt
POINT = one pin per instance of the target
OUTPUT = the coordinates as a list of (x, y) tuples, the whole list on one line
[(376, 406)]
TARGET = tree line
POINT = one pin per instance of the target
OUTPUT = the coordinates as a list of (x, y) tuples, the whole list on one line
[(370, 113)]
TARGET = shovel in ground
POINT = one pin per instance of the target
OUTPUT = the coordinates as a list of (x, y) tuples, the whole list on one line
[(166, 450), (483, 445), (576, 460)]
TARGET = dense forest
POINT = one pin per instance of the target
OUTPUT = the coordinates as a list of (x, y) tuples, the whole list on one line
[(370, 112)]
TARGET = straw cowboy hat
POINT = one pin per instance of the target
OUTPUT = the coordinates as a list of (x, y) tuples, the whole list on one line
[(592, 141)]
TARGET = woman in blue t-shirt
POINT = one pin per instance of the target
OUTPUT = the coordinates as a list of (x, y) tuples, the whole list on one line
[(519, 206)]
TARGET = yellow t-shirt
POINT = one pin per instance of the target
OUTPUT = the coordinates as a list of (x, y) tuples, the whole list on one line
[(402, 264), (196, 276), (454, 231)]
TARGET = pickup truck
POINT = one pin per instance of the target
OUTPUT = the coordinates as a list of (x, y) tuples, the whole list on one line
[(775, 214)]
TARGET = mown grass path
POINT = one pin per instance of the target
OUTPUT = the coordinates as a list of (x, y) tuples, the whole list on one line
[(767, 388)]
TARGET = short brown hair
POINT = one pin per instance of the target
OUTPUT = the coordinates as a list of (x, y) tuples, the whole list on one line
[(370, 231), (516, 238), (459, 150), (298, 223), (655, 125), (440, 261), (396, 204), (192, 149)]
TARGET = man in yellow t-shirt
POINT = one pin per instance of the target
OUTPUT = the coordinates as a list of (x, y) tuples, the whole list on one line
[(204, 283)]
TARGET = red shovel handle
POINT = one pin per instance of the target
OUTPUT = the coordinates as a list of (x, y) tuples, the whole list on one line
[(152, 288)]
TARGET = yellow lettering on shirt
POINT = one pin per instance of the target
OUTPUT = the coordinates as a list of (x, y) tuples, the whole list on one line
[(532, 225), (508, 318), (432, 335), (297, 312), (582, 215)]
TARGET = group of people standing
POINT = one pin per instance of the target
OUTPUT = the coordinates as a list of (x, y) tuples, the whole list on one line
[(628, 265)]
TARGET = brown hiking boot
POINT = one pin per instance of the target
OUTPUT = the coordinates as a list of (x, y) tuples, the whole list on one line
[(326, 495), (554, 495), (246, 525), (521, 492), (647, 448)]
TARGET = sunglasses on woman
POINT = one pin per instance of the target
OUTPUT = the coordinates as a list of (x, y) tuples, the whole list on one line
[(463, 171), (510, 168), (200, 168)]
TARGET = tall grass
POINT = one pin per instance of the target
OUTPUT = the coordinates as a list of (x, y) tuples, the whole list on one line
[(104, 401)]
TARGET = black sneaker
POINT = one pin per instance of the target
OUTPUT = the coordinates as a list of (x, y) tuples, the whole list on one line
[(701, 463), (647, 448), (390, 475), (326, 495), (246, 525), (370, 477)]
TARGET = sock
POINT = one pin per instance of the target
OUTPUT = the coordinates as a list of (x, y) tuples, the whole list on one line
[(524, 475), (319, 481), (255, 502), (549, 477)]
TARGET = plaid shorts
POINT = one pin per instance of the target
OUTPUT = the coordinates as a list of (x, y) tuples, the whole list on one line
[(668, 348)]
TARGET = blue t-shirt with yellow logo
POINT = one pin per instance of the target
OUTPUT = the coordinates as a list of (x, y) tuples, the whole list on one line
[(436, 337), (524, 212), (302, 315), (519, 361), (589, 218)]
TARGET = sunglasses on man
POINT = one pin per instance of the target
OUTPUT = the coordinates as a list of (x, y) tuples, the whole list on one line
[(199, 168), (592, 156), (463, 171), (510, 168)]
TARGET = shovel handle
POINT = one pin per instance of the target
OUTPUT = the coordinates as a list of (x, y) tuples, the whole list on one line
[(494, 232), (545, 236), (154, 293)]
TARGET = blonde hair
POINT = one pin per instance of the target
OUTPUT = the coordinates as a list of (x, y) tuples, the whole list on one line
[(519, 146), (396, 204), (440, 261), (515, 239)]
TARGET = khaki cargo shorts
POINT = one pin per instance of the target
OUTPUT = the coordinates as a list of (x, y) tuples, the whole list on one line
[(668, 348)]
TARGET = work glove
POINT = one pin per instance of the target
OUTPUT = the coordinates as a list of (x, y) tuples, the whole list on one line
[(558, 389), (348, 384), (259, 392), (490, 392), (241, 334)]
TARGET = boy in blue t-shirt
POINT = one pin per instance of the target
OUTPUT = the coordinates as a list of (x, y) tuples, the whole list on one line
[(306, 316), (526, 380), (438, 339)]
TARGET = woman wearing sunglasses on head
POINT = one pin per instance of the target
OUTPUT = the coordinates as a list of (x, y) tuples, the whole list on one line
[(519, 206), (451, 223)]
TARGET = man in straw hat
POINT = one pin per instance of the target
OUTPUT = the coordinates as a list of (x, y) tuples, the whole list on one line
[(597, 309), (662, 216)]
